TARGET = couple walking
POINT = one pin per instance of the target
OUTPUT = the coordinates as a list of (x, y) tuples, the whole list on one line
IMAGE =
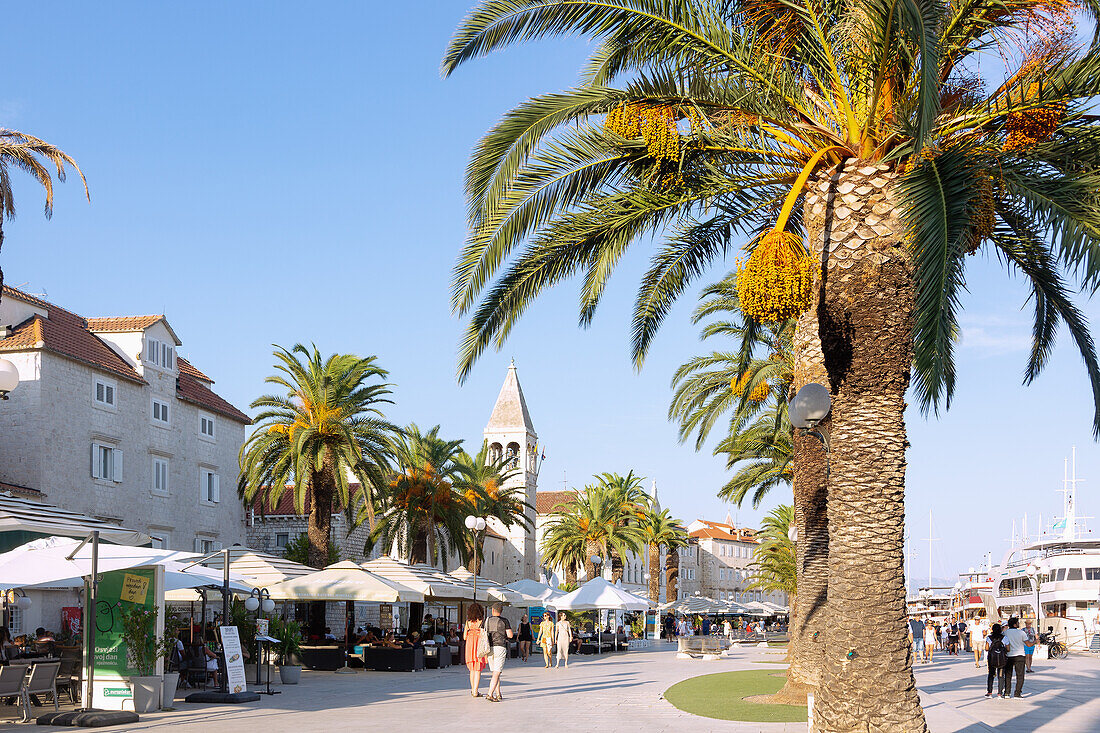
[(563, 630), (486, 640)]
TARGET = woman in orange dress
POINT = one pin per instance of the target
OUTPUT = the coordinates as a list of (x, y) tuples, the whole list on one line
[(474, 617)]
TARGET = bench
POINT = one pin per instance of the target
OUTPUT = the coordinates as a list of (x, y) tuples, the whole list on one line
[(386, 659), (701, 647)]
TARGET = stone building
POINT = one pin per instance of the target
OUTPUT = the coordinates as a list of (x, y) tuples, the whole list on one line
[(725, 555), (109, 421)]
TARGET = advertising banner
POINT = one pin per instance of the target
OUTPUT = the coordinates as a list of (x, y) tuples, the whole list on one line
[(118, 590), (534, 614), (263, 625), (234, 658), (70, 620)]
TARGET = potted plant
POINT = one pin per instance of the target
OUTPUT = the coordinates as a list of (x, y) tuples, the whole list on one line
[(289, 634), (139, 635)]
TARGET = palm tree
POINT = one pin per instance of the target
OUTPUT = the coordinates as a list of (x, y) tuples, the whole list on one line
[(36, 157), (632, 501), (594, 522), (774, 567), (422, 510), (481, 479), (863, 126), (326, 427), (660, 530)]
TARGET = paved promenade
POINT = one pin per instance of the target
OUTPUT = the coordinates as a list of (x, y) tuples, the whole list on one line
[(619, 692)]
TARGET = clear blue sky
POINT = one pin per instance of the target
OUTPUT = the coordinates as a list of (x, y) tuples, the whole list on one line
[(275, 172)]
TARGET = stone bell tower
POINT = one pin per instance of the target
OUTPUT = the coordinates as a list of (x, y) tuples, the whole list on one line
[(510, 432)]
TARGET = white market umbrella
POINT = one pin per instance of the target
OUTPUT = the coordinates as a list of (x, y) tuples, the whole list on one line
[(261, 569), (181, 578), (756, 608), (598, 594), (493, 590), (343, 581), (539, 591), (429, 582), (24, 515), (46, 562)]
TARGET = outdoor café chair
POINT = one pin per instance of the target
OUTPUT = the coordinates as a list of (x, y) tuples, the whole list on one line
[(43, 679), (11, 681), (68, 678)]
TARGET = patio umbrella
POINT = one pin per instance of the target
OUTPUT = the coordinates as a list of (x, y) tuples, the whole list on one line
[(47, 561), (598, 594), (534, 589), (181, 578), (261, 569), (46, 519), (426, 580), (343, 581), (493, 590)]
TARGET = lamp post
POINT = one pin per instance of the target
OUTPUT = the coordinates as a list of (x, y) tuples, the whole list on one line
[(259, 599), (477, 526), (1033, 572), (9, 378)]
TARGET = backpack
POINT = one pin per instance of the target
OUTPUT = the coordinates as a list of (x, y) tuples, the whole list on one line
[(998, 654)]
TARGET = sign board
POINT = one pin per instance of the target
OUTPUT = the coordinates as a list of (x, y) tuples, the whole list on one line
[(234, 658), (652, 628), (119, 590), (385, 616), (263, 625), (70, 621), (534, 614)]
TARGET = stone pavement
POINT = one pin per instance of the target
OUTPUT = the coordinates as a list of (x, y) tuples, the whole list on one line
[(620, 692)]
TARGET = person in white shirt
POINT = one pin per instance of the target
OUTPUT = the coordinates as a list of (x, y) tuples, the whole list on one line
[(977, 632), (1015, 640)]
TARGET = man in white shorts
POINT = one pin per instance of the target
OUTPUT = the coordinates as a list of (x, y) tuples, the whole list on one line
[(500, 631)]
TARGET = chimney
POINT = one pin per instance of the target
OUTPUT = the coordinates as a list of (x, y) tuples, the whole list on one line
[(5, 331)]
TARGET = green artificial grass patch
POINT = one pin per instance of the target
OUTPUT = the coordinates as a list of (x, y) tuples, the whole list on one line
[(778, 643), (722, 696)]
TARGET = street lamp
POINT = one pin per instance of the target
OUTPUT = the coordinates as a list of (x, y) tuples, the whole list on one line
[(809, 407), (9, 378), (1033, 571), (259, 599), (477, 526)]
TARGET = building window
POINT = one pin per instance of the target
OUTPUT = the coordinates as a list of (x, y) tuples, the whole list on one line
[(160, 476), (15, 620), (158, 543), (206, 545), (106, 462), (1092, 573), (1073, 574), (160, 412), (206, 426), (160, 353), (281, 539), (104, 392), (209, 486)]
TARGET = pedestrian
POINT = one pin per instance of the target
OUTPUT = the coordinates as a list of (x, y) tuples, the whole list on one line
[(499, 631), (996, 657), (472, 654), (525, 638), (1015, 640), (964, 637), (942, 628), (546, 637), (952, 638), (976, 632), (916, 635), (1029, 645), (930, 637), (727, 630), (564, 631)]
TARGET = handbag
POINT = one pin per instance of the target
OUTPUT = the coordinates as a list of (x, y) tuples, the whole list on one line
[(482, 644)]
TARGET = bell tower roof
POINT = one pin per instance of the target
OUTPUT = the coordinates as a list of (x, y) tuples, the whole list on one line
[(510, 412)]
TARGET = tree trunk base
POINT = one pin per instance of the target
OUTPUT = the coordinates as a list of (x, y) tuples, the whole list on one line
[(793, 693)]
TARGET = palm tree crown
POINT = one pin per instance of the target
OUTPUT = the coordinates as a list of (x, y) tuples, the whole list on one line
[(326, 427)]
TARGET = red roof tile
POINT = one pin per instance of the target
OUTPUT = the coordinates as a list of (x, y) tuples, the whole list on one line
[(123, 324), (546, 501), (190, 389), (65, 333), (20, 490), (188, 368), (285, 507)]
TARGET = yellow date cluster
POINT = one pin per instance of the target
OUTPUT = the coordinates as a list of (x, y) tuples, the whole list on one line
[(777, 281)]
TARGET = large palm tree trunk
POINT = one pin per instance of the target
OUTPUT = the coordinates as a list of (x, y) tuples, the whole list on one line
[(617, 567), (570, 573), (590, 570), (808, 609), (319, 529), (672, 573), (654, 575), (865, 326)]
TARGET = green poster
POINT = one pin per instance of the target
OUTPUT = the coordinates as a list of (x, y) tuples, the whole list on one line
[(118, 589)]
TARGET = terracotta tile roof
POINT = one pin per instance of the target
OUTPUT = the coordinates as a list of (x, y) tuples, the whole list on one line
[(20, 490), (190, 389), (123, 323), (188, 368), (65, 333), (285, 507), (545, 501), (723, 531)]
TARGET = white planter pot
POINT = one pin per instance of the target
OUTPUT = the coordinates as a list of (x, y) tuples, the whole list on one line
[(290, 675), (168, 689), (265, 671), (146, 693)]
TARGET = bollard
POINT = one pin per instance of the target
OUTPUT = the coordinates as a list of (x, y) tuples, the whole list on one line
[(810, 712)]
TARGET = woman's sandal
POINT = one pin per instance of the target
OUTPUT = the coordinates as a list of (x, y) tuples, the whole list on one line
[(475, 694)]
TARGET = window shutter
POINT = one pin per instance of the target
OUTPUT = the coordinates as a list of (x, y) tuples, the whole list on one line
[(96, 468), (216, 545), (217, 487), (197, 544), (202, 485), (117, 474)]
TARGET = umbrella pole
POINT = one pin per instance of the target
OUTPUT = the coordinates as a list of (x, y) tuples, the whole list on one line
[(89, 639)]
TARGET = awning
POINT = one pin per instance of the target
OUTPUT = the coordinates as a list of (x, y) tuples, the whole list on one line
[(539, 591), (432, 583), (343, 581), (45, 562), (494, 591), (259, 568), (24, 515), (598, 594)]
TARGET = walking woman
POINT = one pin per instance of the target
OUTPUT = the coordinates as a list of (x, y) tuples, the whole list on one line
[(995, 655), (525, 638), (546, 637), (930, 637), (565, 638), (475, 615)]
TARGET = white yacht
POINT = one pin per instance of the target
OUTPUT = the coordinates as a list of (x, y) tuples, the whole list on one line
[(1058, 572)]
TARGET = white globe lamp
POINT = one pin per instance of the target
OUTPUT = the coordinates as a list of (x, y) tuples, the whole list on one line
[(9, 378)]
